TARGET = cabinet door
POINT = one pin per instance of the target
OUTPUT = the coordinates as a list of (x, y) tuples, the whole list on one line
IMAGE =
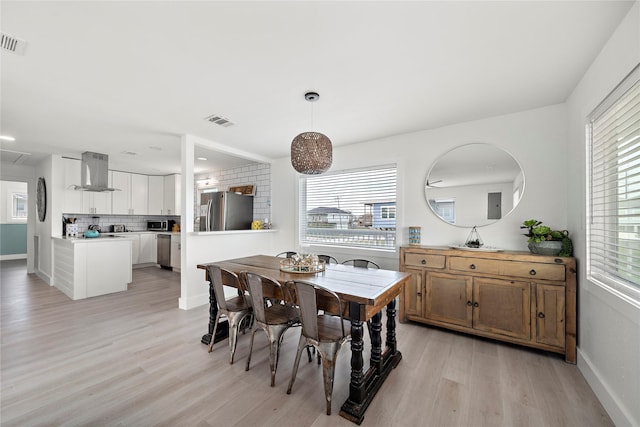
[(175, 253), (413, 290), (72, 197), (98, 202), (156, 195), (502, 307), (135, 249), (550, 324), (448, 298), (148, 249), (139, 194), (121, 198), (172, 195)]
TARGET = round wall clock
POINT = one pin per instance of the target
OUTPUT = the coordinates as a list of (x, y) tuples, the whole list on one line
[(41, 200)]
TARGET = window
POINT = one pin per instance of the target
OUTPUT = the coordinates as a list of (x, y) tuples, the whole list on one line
[(613, 247), (355, 208), (388, 212), (19, 206)]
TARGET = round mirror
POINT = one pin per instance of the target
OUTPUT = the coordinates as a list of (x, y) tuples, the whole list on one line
[(474, 185)]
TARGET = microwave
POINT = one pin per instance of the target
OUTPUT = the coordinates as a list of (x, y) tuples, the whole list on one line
[(158, 225)]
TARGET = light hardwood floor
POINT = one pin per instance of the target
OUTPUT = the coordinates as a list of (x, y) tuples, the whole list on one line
[(135, 359)]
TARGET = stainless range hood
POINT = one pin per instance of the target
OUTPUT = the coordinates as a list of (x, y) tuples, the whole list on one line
[(94, 173)]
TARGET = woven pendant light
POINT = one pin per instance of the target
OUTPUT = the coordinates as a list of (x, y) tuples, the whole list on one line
[(311, 152)]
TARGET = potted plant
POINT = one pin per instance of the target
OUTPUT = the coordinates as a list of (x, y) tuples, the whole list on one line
[(544, 240)]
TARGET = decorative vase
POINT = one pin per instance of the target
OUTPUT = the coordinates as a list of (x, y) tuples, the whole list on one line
[(547, 247), (414, 235)]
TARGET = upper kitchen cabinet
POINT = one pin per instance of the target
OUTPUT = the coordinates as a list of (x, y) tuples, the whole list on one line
[(97, 202), (156, 195), (72, 197), (172, 195), (133, 195)]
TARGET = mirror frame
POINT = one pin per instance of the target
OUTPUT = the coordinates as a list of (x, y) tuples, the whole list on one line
[(484, 222)]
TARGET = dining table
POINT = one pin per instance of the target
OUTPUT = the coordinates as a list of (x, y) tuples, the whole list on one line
[(366, 294)]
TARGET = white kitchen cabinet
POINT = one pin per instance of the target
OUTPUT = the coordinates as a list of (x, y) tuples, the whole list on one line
[(156, 195), (72, 198), (172, 195), (148, 249), (91, 267), (175, 251), (97, 202), (133, 194), (135, 248), (139, 194)]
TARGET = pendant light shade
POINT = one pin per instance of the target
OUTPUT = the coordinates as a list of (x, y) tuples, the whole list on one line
[(311, 152)]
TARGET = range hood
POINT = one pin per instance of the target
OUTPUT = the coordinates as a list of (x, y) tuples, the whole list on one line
[(94, 173)]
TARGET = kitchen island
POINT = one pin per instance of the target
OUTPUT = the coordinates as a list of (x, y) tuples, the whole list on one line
[(88, 267)]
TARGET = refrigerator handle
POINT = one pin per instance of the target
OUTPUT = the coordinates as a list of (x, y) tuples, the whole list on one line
[(209, 203)]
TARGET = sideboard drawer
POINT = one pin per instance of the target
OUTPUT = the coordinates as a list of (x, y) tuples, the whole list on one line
[(530, 270), (422, 260)]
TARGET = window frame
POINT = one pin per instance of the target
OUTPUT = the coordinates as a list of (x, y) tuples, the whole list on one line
[(16, 195), (303, 207), (596, 249)]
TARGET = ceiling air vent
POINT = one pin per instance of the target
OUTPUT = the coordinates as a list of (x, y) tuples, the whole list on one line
[(12, 44), (219, 120)]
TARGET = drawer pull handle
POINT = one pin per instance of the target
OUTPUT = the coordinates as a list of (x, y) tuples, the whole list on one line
[(419, 293), (469, 303), (541, 315), (532, 272), (475, 304), (472, 266), (423, 262)]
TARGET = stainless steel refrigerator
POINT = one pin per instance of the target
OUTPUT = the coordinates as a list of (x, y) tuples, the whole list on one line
[(223, 210)]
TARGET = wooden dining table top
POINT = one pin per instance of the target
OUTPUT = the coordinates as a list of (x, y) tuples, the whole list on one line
[(373, 289)]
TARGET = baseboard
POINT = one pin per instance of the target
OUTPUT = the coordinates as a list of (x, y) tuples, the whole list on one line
[(620, 416), (44, 277), (12, 256), (193, 302)]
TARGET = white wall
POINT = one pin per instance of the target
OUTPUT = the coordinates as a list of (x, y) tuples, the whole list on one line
[(608, 327), (535, 138), (7, 189), (21, 173)]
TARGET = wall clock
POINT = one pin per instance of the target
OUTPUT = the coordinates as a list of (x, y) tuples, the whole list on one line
[(41, 200)]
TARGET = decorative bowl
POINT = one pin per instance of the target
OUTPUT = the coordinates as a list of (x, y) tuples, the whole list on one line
[(91, 233)]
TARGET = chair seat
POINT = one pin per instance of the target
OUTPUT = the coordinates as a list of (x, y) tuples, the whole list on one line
[(237, 304), (280, 314), (330, 329)]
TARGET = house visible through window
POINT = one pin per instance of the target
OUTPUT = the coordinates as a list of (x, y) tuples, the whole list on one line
[(349, 208), (19, 206), (613, 249)]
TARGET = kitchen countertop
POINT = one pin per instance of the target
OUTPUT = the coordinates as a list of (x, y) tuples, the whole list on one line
[(106, 237)]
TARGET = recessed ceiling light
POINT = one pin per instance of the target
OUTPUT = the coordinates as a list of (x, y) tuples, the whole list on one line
[(155, 147), (129, 153), (202, 158), (7, 138)]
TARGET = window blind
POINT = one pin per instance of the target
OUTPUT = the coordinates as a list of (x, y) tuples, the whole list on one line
[(613, 250), (349, 208)]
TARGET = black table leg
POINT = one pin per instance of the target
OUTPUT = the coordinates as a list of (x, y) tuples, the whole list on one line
[(376, 341), (364, 386)]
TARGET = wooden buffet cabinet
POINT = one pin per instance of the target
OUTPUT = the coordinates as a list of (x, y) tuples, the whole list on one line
[(516, 297)]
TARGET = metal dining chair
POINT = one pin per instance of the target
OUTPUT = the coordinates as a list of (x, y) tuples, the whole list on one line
[(358, 262), (287, 254), (235, 309), (328, 259), (324, 329), (273, 313)]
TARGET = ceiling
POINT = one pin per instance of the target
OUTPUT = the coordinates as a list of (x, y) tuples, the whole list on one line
[(129, 78)]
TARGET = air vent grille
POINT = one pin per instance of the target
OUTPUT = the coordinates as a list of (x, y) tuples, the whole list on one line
[(12, 44), (219, 120)]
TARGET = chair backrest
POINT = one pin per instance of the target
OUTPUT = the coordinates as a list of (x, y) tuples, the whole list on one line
[(328, 259), (287, 254), (262, 289), (307, 295), (365, 263), (221, 277)]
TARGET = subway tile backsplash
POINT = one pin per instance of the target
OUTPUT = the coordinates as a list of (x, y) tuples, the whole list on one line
[(131, 222)]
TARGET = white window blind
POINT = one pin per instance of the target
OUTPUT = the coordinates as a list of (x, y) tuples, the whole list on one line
[(354, 208), (613, 257)]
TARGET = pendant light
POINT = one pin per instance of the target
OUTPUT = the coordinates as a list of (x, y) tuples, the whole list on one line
[(311, 152)]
